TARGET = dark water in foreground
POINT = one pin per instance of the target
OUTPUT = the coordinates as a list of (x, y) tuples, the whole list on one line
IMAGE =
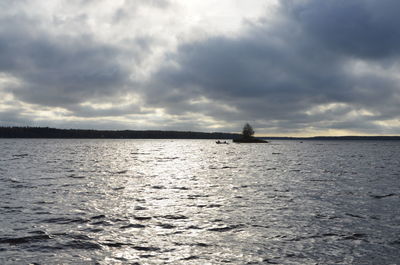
[(195, 202)]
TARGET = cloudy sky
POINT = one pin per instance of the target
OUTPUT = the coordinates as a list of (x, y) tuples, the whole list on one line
[(288, 67)]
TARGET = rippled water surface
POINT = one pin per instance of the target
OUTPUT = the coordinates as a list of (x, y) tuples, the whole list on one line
[(195, 202)]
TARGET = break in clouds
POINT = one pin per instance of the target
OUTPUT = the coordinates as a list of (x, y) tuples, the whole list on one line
[(297, 67)]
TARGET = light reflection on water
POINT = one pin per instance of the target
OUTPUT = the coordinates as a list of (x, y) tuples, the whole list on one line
[(195, 202)]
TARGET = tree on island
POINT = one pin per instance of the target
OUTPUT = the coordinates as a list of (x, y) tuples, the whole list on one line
[(248, 136), (247, 131)]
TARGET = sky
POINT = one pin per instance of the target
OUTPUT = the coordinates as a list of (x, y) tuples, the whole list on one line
[(288, 67)]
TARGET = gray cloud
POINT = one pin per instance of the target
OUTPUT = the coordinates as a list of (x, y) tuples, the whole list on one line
[(300, 73), (277, 74), (364, 28), (64, 69), (12, 117), (58, 71)]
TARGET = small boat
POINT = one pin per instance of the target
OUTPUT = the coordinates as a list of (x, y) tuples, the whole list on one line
[(220, 142)]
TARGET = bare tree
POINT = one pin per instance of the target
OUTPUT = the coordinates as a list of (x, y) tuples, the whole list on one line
[(247, 131)]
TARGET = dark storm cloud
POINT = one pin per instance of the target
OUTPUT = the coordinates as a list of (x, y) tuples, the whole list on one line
[(60, 61), (364, 28), (58, 70), (64, 69), (277, 74)]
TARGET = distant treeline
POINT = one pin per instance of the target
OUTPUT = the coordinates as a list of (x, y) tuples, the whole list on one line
[(324, 138), (45, 132)]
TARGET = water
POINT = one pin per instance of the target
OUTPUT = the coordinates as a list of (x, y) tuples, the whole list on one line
[(195, 202)]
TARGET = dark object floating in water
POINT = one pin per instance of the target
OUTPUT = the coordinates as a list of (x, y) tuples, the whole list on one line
[(24, 240), (382, 196), (141, 248), (20, 155), (220, 142), (76, 176), (166, 226), (158, 187), (355, 236), (98, 216), (133, 226), (396, 242), (174, 217), (141, 218), (190, 258)]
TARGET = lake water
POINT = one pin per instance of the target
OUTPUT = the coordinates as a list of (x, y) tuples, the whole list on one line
[(196, 202)]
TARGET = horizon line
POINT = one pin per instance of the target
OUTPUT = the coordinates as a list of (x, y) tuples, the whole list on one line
[(214, 132)]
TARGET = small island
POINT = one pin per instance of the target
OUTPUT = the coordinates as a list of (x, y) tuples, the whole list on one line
[(247, 136)]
